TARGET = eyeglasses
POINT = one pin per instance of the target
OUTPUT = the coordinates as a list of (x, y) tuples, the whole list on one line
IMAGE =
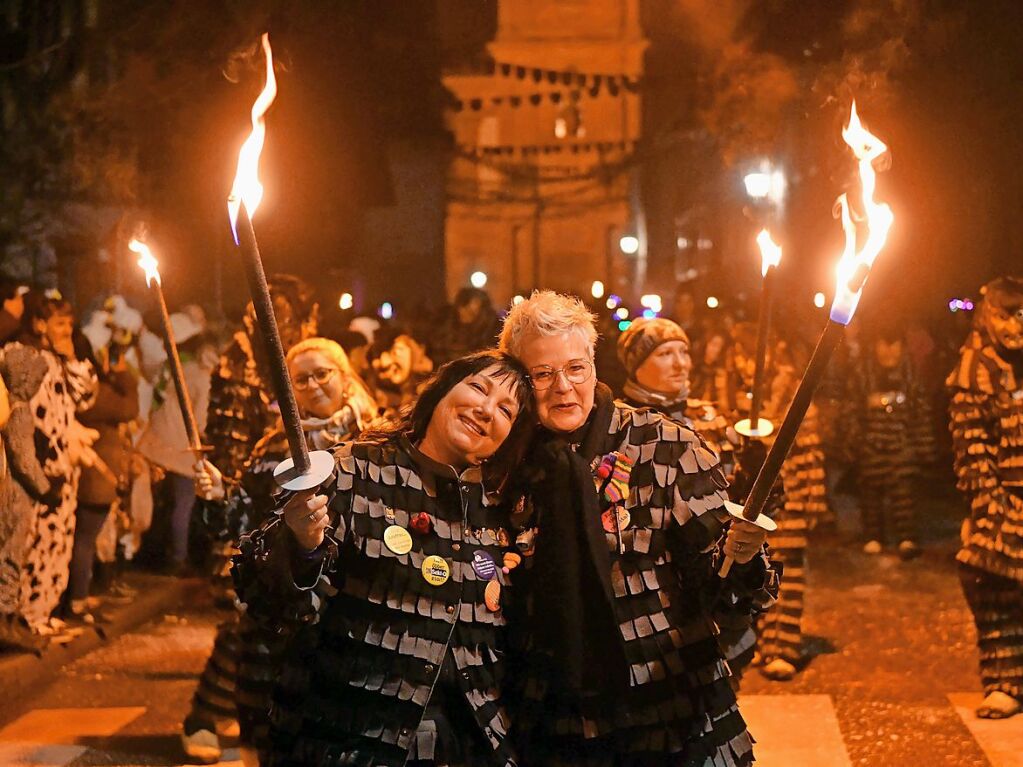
[(320, 375), (576, 371)]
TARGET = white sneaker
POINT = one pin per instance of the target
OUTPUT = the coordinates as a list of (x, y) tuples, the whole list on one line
[(202, 745)]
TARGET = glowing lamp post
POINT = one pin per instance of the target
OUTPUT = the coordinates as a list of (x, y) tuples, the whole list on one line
[(850, 276), (151, 269), (770, 257), (303, 470)]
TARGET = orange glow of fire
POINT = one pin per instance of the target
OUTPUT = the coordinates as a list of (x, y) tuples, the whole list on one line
[(246, 188), (146, 260), (770, 251), (855, 264)]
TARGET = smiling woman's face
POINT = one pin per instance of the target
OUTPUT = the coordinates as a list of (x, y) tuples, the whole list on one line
[(473, 419), (563, 406)]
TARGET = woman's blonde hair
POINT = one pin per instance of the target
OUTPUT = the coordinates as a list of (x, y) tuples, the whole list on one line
[(355, 387), (546, 313)]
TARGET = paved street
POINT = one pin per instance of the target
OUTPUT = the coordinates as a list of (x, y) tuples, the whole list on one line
[(892, 680)]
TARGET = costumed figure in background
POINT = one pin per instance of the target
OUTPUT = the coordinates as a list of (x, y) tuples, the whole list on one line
[(103, 485), (241, 412), (623, 527), (242, 407), (60, 444), (987, 436), (334, 403), (398, 373), (780, 633), (164, 443), (890, 448), (114, 333), (23, 486), (655, 354), (393, 585)]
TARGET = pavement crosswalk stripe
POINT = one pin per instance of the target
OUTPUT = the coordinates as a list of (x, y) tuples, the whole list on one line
[(45, 737), (781, 724), (1000, 740), (53, 725), (38, 754)]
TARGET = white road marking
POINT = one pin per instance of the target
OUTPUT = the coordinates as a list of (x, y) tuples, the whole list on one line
[(45, 737), (1001, 740), (781, 723)]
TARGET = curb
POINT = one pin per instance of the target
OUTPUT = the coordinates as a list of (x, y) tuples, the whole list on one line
[(24, 674)]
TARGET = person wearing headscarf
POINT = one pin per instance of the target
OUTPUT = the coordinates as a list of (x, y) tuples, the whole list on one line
[(656, 356)]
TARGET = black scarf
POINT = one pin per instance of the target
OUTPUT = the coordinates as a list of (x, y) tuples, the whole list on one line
[(573, 598)]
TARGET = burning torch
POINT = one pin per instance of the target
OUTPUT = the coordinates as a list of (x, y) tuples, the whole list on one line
[(304, 469), (150, 267), (770, 257), (850, 276)]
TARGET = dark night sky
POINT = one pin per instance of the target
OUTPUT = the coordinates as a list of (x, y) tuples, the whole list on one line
[(362, 74)]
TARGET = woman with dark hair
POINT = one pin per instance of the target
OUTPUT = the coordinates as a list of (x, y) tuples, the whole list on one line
[(396, 577), (68, 386)]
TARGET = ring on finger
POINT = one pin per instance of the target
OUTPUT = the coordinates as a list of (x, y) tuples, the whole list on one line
[(313, 516)]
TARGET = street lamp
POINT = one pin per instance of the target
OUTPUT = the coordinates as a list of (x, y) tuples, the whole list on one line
[(597, 289), (766, 183), (629, 244), (478, 279), (346, 301)]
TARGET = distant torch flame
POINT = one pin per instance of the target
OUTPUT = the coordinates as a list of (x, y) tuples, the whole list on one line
[(146, 261), (770, 251), (854, 266), (246, 188)]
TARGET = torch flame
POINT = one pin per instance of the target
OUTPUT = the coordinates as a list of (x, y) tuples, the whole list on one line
[(146, 261), (770, 251), (854, 266), (246, 188)]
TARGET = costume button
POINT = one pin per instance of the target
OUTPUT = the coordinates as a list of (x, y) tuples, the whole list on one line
[(429, 668), (451, 609), (456, 547), (404, 732)]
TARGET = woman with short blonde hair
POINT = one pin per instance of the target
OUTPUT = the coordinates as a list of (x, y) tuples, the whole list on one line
[(623, 523)]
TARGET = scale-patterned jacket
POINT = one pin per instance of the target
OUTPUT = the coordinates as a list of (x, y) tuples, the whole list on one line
[(987, 439), (375, 634), (680, 708)]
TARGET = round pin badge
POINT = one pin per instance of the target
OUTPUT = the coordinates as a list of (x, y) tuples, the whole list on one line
[(483, 565), (492, 596), (608, 521), (397, 539), (436, 570)]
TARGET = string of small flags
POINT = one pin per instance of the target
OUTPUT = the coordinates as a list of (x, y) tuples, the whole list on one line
[(567, 77), (584, 147)]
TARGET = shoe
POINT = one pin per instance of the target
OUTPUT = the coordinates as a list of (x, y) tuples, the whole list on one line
[(872, 547), (779, 670), (909, 550), (998, 705), (200, 742)]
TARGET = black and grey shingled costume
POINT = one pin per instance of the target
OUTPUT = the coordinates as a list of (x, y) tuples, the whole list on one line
[(987, 437), (385, 668), (891, 450), (675, 704)]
